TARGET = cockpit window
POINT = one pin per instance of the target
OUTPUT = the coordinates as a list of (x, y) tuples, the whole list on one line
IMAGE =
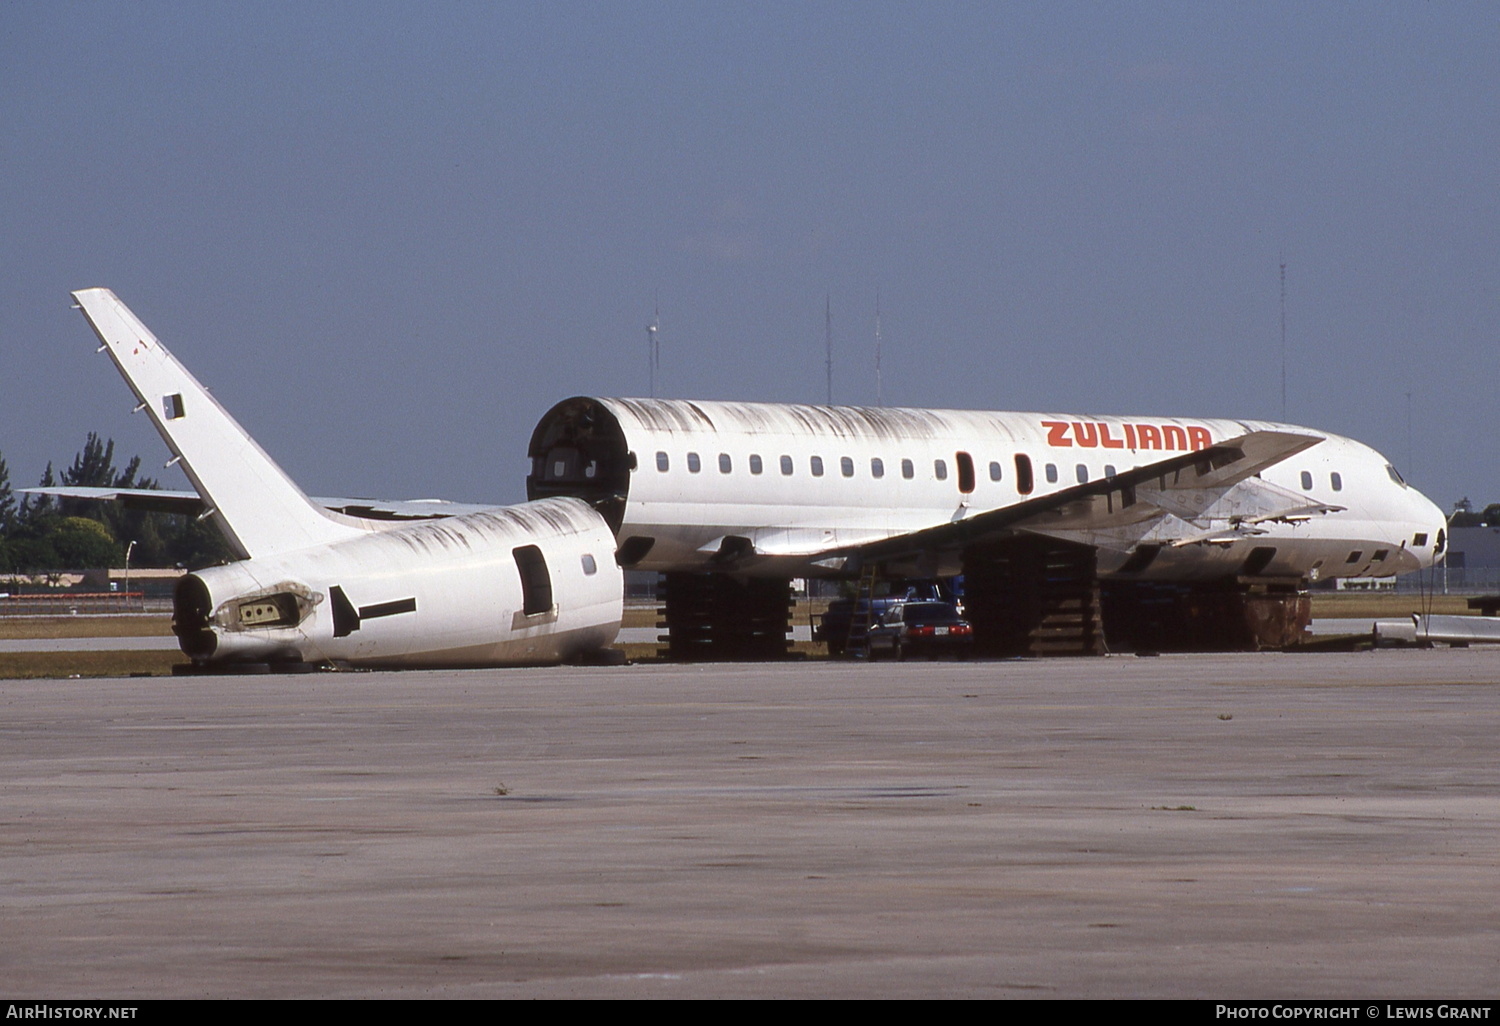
[(1395, 475)]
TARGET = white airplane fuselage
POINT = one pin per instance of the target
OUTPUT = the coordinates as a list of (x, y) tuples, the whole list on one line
[(534, 583), (768, 489), (516, 585)]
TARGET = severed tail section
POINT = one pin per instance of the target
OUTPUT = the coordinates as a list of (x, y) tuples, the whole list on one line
[(250, 499)]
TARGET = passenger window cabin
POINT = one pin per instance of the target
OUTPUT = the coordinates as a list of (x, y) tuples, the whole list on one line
[(694, 464), (846, 466), (908, 469), (877, 467), (786, 466), (662, 463), (817, 466), (725, 463)]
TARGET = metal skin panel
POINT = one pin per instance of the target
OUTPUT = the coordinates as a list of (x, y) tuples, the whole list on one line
[(803, 524)]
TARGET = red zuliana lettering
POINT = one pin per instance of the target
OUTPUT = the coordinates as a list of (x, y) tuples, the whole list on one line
[(1173, 437), (1199, 438), (1130, 436), (1150, 437), (1108, 442), (1087, 437), (1057, 433)]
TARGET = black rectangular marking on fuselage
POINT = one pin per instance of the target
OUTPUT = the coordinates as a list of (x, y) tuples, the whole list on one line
[(345, 619), (406, 605)]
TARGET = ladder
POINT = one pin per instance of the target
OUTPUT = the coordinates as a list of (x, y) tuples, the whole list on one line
[(862, 616)]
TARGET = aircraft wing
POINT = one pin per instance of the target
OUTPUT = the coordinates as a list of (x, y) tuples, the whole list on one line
[(190, 504), (1189, 488)]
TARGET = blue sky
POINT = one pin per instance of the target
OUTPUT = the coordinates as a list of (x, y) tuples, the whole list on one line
[(390, 236)]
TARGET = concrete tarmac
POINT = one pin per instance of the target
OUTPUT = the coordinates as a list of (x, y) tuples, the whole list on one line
[(1240, 826), (627, 636)]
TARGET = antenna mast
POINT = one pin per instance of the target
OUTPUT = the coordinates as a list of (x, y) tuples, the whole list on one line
[(1283, 337), (828, 340), (653, 345), (1410, 467)]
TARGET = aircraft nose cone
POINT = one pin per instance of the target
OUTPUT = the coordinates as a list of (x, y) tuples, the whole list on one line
[(1431, 522)]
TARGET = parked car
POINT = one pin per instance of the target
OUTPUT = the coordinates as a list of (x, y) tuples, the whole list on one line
[(921, 628)]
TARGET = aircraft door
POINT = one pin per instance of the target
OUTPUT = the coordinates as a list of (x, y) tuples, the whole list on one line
[(965, 472)]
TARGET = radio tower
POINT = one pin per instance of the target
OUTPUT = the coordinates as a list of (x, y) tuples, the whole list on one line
[(1283, 337), (653, 346), (828, 340)]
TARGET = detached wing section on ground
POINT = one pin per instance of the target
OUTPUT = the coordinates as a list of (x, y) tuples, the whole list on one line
[(1204, 497)]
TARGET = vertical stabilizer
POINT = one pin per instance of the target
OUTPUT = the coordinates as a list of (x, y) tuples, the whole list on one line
[(251, 500)]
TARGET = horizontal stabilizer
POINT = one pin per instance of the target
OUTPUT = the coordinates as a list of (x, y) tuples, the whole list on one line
[(151, 500), (160, 500)]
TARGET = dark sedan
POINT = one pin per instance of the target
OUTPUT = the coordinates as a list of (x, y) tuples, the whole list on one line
[(921, 628)]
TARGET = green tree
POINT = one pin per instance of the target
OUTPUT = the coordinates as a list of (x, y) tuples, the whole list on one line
[(94, 466), (7, 516), (153, 533), (7, 501), (84, 544), (51, 534)]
